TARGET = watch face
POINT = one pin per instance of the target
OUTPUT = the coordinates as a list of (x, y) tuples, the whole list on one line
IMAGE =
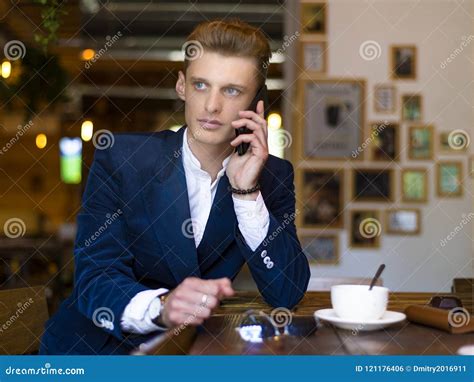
[(154, 308)]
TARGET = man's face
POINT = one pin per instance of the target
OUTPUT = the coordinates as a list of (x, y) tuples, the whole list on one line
[(215, 89)]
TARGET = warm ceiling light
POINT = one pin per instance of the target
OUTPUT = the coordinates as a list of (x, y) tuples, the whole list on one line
[(87, 129), (87, 54), (41, 141), (274, 121), (6, 69)]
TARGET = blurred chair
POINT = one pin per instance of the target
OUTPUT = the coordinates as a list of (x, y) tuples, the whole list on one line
[(325, 283), (462, 286), (23, 313)]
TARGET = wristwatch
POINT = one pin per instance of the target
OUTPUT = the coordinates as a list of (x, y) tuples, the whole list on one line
[(156, 308)]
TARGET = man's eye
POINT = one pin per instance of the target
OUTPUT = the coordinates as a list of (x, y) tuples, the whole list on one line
[(199, 85), (232, 91)]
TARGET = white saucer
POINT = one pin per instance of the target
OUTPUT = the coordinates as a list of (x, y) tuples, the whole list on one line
[(387, 319)]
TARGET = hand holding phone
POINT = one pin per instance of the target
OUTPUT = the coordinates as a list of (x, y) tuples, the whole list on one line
[(262, 94)]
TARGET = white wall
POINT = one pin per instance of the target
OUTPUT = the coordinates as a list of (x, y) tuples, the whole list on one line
[(437, 27)]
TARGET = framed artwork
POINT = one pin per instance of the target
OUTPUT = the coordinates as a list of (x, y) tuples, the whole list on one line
[(365, 229), (403, 62), (414, 185), (384, 141), (313, 16), (449, 178), (312, 56), (321, 197), (374, 185), (385, 98), (411, 108), (420, 142), (454, 142), (333, 125), (403, 221), (320, 249)]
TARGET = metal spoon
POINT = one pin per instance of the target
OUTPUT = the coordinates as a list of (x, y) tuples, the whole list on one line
[(377, 275)]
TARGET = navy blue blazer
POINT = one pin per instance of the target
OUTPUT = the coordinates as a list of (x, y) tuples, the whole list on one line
[(130, 239)]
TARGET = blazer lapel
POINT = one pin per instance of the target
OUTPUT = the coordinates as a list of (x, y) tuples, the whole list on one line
[(166, 198)]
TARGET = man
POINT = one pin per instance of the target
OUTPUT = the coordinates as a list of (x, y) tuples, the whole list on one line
[(169, 218)]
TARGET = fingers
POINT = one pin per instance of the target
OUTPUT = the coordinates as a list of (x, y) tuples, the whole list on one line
[(257, 129), (257, 147), (225, 287), (194, 299)]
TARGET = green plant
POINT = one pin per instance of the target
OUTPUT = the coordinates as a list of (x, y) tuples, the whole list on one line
[(51, 13)]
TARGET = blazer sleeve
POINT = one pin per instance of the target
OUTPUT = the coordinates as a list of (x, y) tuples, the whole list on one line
[(278, 265), (104, 278)]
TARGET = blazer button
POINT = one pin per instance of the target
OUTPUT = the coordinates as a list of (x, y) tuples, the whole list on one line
[(270, 265), (264, 253), (266, 260)]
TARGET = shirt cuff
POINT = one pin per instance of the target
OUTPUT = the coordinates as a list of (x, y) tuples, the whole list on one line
[(253, 219), (136, 317)]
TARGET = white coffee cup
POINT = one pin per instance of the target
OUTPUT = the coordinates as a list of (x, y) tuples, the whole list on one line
[(358, 303)]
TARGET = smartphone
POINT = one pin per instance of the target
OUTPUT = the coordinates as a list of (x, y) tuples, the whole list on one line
[(262, 94)]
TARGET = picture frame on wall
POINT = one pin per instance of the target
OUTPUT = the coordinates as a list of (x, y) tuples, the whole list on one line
[(313, 16), (449, 179), (334, 119), (420, 142), (313, 55), (384, 141), (447, 146), (372, 185), (320, 249), (403, 62), (385, 98), (412, 108), (414, 182), (320, 197), (365, 229), (403, 221)]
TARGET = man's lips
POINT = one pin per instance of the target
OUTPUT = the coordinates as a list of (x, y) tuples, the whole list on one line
[(210, 123)]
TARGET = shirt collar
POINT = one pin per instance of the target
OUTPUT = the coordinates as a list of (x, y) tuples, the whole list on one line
[(193, 164)]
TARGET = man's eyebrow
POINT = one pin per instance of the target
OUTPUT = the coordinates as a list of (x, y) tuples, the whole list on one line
[(230, 85)]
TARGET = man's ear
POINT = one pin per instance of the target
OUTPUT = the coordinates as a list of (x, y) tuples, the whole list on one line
[(181, 86)]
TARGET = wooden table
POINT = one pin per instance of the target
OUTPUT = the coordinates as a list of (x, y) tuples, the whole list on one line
[(218, 335)]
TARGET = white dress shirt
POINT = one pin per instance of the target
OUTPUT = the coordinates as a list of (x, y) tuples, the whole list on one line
[(252, 217)]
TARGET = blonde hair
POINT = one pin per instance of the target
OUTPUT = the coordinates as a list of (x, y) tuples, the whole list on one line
[(230, 38)]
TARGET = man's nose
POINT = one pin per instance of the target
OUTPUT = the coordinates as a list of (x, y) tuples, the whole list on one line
[(213, 102)]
